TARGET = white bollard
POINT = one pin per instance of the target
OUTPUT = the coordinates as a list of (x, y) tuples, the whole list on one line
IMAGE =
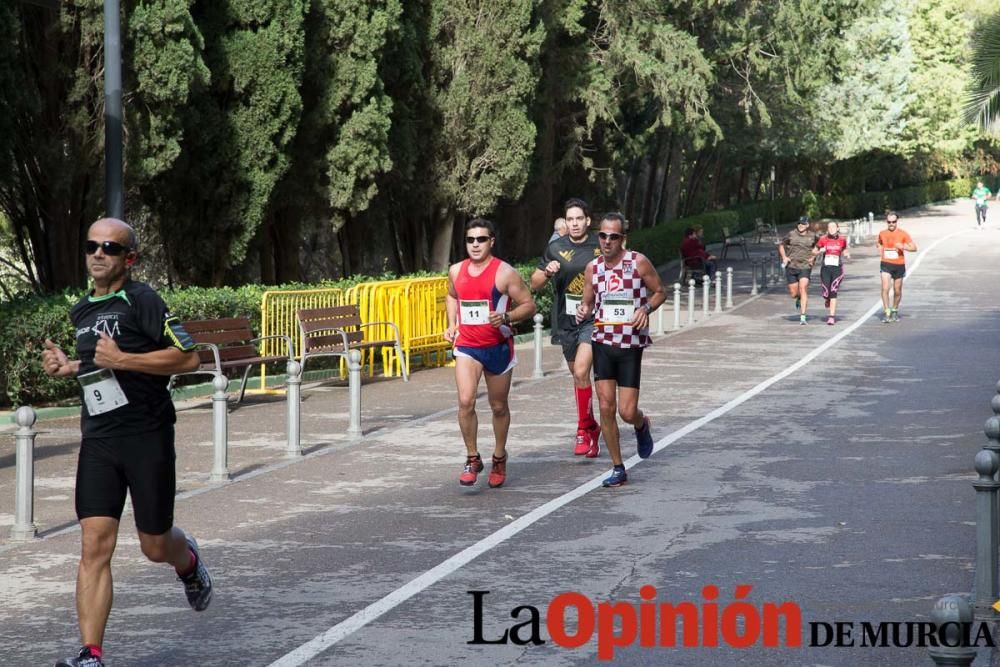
[(24, 498), (293, 397), (706, 295), (753, 271), (691, 302), (677, 306), (718, 292), (354, 386), (729, 287), (538, 372), (220, 429), (659, 320)]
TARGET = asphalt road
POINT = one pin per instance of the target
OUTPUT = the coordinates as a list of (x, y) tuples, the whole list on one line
[(826, 466)]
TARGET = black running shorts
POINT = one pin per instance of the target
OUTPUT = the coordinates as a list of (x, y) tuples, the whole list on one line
[(141, 464), (793, 275), (896, 271), (621, 364)]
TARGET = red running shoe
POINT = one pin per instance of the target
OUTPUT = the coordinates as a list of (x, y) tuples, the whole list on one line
[(582, 442), (473, 466), (595, 442), (498, 472)]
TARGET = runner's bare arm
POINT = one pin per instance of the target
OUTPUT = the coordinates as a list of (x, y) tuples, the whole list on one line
[(586, 306), (654, 286), (511, 284), (168, 361), (451, 307)]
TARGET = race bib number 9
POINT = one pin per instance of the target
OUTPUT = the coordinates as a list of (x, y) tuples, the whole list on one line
[(617, 310), (891, 253), (101, 391), (474, 312), (831, 260)]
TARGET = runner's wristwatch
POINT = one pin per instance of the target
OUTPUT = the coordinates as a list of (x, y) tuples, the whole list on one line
[(648, 308)]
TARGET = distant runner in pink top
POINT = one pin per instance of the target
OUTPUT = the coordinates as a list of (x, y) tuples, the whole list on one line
[(834, 249)]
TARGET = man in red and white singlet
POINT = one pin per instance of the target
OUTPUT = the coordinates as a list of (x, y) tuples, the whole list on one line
[(480, 316), (621, 288), (834, 249)]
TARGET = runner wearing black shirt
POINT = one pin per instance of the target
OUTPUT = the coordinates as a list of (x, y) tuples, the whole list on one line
[(564, 262), (127, 346)]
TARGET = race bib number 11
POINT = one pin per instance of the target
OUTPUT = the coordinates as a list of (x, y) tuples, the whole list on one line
[(475, 312)]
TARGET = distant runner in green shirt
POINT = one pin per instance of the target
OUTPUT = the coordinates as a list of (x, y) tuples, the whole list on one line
[(980, 194)]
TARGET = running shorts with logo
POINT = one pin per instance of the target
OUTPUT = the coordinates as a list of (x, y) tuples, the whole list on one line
[(128, 443)]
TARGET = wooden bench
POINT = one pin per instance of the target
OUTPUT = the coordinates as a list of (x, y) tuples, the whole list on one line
[(335, 331), (224, 344)]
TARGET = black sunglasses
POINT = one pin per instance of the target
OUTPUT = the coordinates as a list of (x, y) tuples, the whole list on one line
[(109, 247), (604, 236), (477, 239)]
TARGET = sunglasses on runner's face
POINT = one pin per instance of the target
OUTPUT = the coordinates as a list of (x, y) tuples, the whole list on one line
[(605, 236), (109, 247), (477, 239)]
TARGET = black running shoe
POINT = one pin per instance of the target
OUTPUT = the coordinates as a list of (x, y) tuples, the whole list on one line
[(197, 584), (84, 659)]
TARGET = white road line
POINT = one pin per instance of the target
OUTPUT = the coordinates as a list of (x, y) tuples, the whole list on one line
[(325, 641)]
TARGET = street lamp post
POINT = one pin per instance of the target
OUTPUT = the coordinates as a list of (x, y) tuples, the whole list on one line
[(114, 187), (773, 216)]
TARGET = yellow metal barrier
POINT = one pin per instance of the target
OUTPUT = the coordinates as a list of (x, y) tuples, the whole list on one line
[(415, 305), (278, 316)]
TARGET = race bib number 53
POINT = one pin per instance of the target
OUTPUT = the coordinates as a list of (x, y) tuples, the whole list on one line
[(101, 391), (617, 310)]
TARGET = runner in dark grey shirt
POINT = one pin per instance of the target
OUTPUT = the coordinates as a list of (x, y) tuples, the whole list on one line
[(797, 257)]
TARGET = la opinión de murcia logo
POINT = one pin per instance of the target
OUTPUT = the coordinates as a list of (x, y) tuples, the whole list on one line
[(572, 620)]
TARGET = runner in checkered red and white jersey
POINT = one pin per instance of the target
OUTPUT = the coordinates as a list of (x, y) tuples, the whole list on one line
[(621, 290), (622, 281)]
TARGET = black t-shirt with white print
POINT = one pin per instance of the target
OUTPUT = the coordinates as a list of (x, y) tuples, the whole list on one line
[(137, 319)]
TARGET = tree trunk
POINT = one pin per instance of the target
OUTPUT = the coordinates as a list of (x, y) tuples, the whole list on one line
[(647, 217), (443, 230), (673, 180)]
